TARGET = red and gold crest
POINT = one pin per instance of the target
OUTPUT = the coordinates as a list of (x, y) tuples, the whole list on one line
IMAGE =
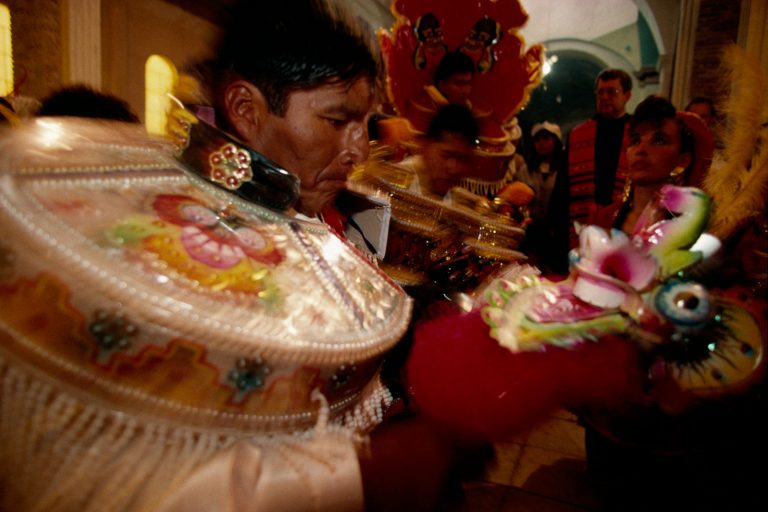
[(487, 31)]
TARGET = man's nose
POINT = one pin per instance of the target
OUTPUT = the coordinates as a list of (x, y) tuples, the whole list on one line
[(356, 145)]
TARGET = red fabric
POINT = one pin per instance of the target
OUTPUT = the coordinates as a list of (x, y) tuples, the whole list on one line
[(581, 174), (335, 219), (704, 148), (605, 217), (462, 379)]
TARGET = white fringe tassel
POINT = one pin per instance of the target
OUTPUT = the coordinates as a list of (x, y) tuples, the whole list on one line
[(60, 454)]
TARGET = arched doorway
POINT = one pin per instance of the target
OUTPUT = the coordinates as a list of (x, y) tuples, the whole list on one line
[(628, 41), (565, 96)]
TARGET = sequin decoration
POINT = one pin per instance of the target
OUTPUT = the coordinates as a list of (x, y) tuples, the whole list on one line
[(230, 166), (342, 376), (249, 374), (111, 330)]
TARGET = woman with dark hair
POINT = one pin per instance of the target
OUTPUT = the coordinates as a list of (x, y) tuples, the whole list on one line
[(675, 446), (662, 150)]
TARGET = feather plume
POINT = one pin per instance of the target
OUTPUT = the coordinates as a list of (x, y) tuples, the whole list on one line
[(738, 177)]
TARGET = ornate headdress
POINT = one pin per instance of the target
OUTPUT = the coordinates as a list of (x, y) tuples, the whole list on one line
[(150, 318), (486, 31), (579, 341)]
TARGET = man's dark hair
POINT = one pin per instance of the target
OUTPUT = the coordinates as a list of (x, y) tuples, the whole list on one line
[(616, 74), (456, 119), (291, 45), (84, 101), (703, 100), (655, 110), (453, 63)]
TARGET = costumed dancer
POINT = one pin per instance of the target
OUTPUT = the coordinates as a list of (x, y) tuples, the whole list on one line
[(664, 361), (484, 69), (179, 330)]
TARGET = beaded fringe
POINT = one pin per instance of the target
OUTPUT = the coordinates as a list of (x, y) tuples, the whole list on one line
[(60, 453), (483, 188), (370, 410)]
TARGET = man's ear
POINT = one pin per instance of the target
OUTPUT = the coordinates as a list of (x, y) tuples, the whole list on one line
[(245, 109)]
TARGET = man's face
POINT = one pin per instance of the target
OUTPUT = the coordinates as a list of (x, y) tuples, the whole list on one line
[(702, 110), (322, 135), (456, 88), (611, 98), (446, 161)]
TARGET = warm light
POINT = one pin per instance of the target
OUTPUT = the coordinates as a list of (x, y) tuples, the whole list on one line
[(160, 76), (548, 63), (6, 52), (332, 249), (51, 133)]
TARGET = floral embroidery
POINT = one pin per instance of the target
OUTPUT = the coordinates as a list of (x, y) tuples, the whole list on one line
[(217, 249), (230, 166)]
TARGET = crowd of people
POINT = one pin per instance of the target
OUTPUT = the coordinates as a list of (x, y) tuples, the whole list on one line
[(301, 111)]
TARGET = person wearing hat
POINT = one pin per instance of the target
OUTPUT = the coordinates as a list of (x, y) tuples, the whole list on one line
[(496, 162), (665, 146), (207, 343), (545, 161), (680, 445), (543, 164)]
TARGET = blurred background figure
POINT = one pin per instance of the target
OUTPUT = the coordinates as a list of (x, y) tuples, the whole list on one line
[(596, 158), (453, 78), (452, 85), (704, 108), (80, 100), (445, 153), (546, 159), (494, 168)]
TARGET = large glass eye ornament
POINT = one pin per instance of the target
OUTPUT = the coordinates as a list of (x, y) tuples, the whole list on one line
[(685, 304)]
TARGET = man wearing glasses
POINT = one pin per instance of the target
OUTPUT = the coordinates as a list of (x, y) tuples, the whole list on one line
[(596, 162)]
